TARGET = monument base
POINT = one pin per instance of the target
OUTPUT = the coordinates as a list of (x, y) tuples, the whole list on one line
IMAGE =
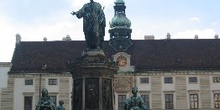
[(93, 52), (93, 77)]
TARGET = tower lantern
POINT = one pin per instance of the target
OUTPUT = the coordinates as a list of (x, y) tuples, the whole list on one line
[(120, 31)]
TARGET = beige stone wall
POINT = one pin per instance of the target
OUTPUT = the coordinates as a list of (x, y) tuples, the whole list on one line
[(182, 88), (37, 88), (64, 93), (7, 95), (181, 92), (0, 99), (156, 92), (123, 82), (205, 94)]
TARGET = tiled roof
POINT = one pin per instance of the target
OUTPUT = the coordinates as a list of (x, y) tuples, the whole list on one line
[(188, 54), (146, 55)]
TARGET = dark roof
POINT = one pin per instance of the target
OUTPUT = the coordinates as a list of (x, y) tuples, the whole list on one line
[(146, 55)]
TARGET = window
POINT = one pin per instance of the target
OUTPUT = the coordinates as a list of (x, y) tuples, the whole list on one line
[(146, 100), (192, 79), (217, 100), (28, 82), (52, 82), (27, 102), (168, 101), (144, 80), (194, 102), (168, 80), (121, 99), (216, 79)]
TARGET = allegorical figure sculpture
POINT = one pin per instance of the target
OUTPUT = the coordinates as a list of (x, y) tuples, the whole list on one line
[(106, 94), (92, 97), (45, 102), (135, 102), (94, 24), (60, 107)]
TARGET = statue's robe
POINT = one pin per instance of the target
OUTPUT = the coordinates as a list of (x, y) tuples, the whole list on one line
[(94, 24)]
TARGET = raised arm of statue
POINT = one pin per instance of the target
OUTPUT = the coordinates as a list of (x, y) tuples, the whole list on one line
[(73, 13), (79, 14)]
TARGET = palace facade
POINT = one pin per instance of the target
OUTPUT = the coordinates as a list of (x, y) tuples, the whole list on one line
[(171, 74)]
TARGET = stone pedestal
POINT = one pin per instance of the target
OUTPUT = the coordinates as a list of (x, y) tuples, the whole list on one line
[(93, 76)]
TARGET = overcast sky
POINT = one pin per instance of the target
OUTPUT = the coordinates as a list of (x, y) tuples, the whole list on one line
[(36, 19)]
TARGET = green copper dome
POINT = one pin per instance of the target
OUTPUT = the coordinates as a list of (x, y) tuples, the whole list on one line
[(119, 1), (120, 21)]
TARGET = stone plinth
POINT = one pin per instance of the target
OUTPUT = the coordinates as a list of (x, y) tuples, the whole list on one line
[(93, 76)]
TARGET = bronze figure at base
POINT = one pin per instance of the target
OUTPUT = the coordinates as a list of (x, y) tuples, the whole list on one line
[(45, 102), (135, 102)]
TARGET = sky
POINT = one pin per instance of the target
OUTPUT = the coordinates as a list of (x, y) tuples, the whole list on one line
[(36, 19)]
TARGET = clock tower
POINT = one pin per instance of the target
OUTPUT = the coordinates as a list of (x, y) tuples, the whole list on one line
[(120, 31)]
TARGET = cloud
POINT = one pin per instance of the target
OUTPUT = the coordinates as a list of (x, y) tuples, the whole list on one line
[(215, 23), (52, 27), (7, 41), (195, 19), (208, 33)]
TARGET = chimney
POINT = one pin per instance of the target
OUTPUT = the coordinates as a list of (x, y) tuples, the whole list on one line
[(196, 37), (149, 37), (18, 38), (216, 36), (45, 39), (44, 66), (168, 36), (67, 38)]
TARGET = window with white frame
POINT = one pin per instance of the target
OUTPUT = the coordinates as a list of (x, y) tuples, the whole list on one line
[(54, 97), (52, 81), (216, 79), (194, 101), (144, 80), (217, 100), (28, 100), (169, 101), (193, 80), (146, 100), (168, 80), (28, 82), (121, 99)]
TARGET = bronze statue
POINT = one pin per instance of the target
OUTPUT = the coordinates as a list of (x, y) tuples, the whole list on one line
[(60, 107), (94, 24), (45, 102), (92, 97), (135, 102), (106, 94)]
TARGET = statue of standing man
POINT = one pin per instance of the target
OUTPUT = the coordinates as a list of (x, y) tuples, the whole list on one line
[(94, 24)]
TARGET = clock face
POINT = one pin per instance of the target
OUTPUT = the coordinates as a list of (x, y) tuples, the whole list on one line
[(122, 60)]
